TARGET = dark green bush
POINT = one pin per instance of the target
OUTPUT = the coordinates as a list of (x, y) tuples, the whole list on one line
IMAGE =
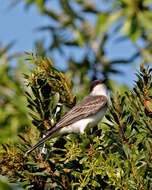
[(116, 154)]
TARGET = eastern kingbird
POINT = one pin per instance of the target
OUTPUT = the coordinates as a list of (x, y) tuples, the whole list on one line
[(88, 112)]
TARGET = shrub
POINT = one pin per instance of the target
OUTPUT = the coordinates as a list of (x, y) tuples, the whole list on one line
[(116, 154)]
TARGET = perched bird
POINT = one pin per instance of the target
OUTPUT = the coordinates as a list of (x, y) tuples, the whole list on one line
[(86, 113)]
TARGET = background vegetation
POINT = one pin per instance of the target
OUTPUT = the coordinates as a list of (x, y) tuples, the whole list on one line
[(115, 155)]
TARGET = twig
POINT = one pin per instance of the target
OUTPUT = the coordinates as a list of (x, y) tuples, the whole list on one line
[(48, 169)]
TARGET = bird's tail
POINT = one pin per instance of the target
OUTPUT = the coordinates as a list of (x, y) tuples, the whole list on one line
[(48, 136)]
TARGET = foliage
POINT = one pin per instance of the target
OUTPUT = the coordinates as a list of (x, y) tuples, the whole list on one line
[(115, 155), (81, 31), (13, 112), (5, 185)]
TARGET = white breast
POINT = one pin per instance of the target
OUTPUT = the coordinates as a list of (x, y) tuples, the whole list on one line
[(80, 126)]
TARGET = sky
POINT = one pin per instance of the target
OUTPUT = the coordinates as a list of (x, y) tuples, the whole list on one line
[(19, 24)]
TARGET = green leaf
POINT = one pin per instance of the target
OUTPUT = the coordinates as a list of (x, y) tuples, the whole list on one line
[(79, 37), (95, 183), (127, 150), (55, 100), (40, 174), (105, 20)]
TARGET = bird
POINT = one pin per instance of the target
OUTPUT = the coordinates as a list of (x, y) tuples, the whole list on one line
[(87, 112)]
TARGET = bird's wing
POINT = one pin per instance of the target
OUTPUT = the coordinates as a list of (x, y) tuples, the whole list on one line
[(88, 106)]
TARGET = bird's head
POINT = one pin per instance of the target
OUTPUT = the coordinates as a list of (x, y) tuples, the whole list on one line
[(98, 87)]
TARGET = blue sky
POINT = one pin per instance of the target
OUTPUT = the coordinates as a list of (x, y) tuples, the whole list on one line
[(19, 24)]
